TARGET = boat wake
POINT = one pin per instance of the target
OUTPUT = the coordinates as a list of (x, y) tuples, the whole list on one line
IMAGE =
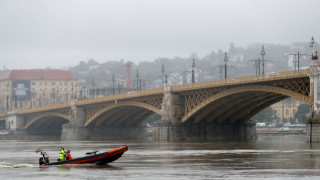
[(9, 165)]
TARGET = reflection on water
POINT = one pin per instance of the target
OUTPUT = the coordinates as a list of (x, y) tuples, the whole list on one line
[(268, 157)]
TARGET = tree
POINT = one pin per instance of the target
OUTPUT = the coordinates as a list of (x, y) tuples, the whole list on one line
[(302, 112), (292, 120), (264, 115)]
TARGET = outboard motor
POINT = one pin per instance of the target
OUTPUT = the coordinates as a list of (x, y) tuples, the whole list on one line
[(44, 159)]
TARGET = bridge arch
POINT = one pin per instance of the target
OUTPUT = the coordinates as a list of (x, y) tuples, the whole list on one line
[(120, 104), (49, 114), (241, 89)]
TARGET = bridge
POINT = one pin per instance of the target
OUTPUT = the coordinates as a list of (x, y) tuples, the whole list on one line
[(211, 110)]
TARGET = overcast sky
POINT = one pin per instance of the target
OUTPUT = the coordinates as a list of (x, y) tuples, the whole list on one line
[(60, 33)]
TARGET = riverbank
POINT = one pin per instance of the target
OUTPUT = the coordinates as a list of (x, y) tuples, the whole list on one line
[(274, 131)]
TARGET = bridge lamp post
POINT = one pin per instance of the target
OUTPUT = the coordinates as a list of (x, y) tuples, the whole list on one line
[(113, 80), (93, 87), (312, 42), (192, 72), (162, 71), (295, 61), (137, 75), (71, 90), (225, 64), (166, 79), (262, 55), (314, 55)]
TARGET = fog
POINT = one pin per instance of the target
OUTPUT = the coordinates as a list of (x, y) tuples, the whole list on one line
[(60, 33)]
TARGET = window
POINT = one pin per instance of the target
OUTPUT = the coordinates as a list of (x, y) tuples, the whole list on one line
[(287, 112), (33, 83), (294, 112), (53, 83)]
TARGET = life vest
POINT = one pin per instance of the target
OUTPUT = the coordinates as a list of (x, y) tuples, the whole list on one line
[(62, 154)]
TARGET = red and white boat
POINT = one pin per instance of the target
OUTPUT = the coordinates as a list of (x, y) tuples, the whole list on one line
[(90, 158)]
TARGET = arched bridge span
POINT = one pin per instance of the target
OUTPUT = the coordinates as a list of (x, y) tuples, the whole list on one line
[(124, 113), (239, 103)]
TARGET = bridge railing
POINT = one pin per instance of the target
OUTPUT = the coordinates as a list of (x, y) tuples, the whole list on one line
[(217, 83), (128, 95), (44, 108), (243, 80)]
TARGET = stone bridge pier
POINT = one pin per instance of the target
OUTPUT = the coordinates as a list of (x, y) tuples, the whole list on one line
[(313, 121), (170, 128), (75, 129)]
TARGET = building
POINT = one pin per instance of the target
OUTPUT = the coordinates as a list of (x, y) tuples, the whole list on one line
[(21, 89), (286, 109)]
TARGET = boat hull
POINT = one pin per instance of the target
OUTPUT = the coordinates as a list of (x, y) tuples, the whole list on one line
[(101, 158)]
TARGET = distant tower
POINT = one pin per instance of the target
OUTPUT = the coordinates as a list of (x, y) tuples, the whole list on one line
[(128, 73)]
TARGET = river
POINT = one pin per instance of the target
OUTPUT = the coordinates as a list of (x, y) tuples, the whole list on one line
[(276, 157)]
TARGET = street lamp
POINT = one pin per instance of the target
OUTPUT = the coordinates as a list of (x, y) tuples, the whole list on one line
[(225, 64), (92, 88), (314, 50), (296, 59), (312, 42), (71, 90), (262, 55), (166, 80), (162, 71), (113, 84), (193, 66), (137, 75)]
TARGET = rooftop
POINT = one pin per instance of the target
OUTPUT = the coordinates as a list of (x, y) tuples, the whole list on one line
[(36, 75)]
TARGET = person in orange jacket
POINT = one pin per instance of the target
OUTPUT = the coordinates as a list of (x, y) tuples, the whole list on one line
[(68, 155)]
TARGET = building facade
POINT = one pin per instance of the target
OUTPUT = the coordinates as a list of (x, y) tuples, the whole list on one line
[(21, 89), (286, 109)]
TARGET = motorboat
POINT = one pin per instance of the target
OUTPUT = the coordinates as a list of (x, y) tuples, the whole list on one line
[(90, 157)]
